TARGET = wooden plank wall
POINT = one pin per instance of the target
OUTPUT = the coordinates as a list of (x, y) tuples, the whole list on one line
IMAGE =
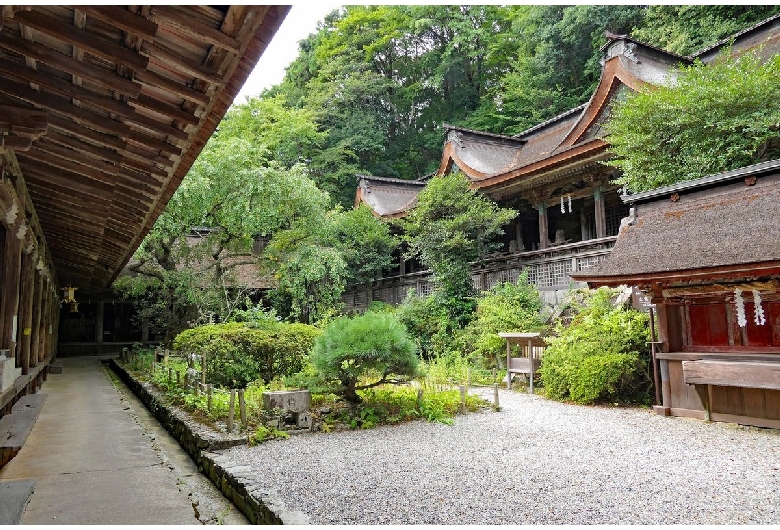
[(712, 325)]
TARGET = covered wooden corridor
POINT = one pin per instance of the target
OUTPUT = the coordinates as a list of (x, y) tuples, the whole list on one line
[(103, 110)]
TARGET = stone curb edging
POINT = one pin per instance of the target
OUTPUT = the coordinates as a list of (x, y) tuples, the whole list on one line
[(259, 505)]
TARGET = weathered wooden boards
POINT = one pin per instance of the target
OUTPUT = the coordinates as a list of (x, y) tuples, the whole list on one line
[(16, 427)]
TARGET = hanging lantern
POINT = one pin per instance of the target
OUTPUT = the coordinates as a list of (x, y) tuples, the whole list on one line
[(74, 307), (563, 208), (569, 203), (69, 294)]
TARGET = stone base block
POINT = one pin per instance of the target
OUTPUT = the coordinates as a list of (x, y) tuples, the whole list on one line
[(289, 400), (8, 373)]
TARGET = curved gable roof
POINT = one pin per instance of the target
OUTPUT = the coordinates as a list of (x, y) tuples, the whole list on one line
[(387, 197)]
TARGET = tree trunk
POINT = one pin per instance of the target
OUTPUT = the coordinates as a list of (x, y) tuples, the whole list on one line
[(350, 394)]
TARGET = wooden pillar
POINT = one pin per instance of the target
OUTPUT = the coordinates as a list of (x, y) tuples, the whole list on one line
[(43, 324), (99, 312), (26, 311), (543, 239), (55, 326), (401, 265), (11, 281), (144, 331), (519, 233), (670, 336), (583, 225), (601, 216), (35, 321)]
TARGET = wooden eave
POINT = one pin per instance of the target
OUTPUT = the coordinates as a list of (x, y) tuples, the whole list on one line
[(701, 276), (119, 100), (588, 151)]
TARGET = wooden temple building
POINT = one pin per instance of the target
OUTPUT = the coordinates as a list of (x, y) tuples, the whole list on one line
[(707, 253), (103, 110), (553, 174)]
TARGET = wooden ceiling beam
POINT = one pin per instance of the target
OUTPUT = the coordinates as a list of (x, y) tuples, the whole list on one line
[(66, 88), (173, 60), (74, 182), (123, 19), (90, 42), (181, 22), (158, 127), (95, 163), (143, 178), (16, 143), (143, 160), (64, 107), (153, 143), (131, 194), (85, 148), (57, 157), (170, 111), (50, 205), (65, 63), (154, 79), (150, 194), (123, 157), (65, 125)]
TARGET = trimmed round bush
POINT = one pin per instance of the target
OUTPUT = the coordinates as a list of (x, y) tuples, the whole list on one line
[(237, 354)]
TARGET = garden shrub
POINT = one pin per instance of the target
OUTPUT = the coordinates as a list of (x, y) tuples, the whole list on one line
[(237, 354), (602, 355), (505, 307), (427, 322), (363, 352)]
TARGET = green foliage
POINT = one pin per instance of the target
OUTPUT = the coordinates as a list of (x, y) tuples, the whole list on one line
[(427, 322), (371, 346), (365, 243), (715, 118), (237, 355), (316, 259), (263, 434), (685, 29), (452, 226), (601, 356), (505, 307)]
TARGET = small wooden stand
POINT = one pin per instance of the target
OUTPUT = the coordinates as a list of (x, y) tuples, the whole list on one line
[(531, 348)]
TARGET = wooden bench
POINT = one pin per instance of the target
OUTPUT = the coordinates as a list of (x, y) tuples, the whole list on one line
[(531, 350), (16, 427), (14, 496), (727, 372)]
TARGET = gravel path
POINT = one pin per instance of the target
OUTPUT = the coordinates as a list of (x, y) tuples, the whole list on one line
[(536, 461)]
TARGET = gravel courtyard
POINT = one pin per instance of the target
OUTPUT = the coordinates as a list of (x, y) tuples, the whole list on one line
[(535, 461)]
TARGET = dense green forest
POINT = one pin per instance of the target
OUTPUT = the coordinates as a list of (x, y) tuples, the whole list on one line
[(380, 80)]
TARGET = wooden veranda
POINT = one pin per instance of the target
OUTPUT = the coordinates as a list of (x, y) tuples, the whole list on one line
[(103, 110)]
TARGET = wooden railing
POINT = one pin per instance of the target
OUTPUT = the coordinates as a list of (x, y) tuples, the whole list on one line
[(548, 269)]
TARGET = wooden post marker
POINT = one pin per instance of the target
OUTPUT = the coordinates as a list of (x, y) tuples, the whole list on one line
[(463, 398), (209, 393), (170, 374), (419, 398), (242, 406), (495, 396), (178, 378), (231, 410)]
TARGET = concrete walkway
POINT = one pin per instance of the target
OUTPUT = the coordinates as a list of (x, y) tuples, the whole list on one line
[(98, 457)]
